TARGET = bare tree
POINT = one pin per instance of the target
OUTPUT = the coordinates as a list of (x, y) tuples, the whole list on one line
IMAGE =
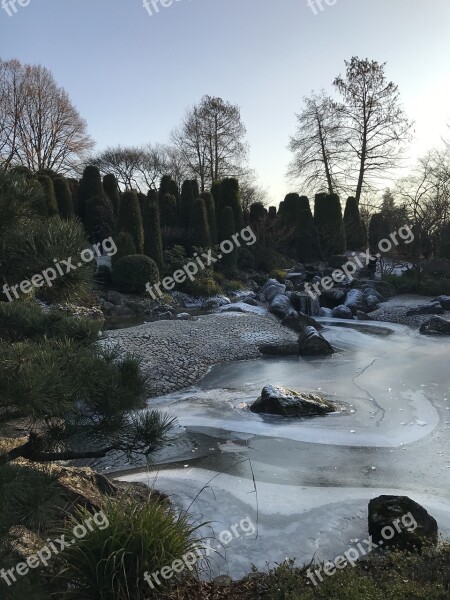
[(375, 123), (210, 140), (39, 126), (318, 144)]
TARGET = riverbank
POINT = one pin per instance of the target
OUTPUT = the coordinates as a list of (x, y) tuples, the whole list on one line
[(176, 354)]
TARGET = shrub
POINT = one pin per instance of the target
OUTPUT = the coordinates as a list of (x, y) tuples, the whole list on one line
[(187, 198), (257, 212), (20, 322), (378, 230), (200, 235), (227, 229), (305, 232), (355, 230), (168, 211), (49, 192), (130, 220), (174, 259), (153, 245), (64, 198), (111, 189), (110, 562), (34, 247), (211, 212), (131, 273), (230, 196), (99, 217), (125, 247), (90, 185), (329, 224), (203, 285)]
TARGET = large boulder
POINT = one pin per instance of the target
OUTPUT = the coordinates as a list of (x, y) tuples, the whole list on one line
[(332, 298), (312, 343), (279, 349), (406, 523), (444, 301), (304, 303), (386, 290), (355, 301), (433, 308), (436, 326), (342, 312), (299, 322), (289, 403), (281, 307)]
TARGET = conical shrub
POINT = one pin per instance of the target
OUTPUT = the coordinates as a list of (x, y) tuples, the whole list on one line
[(130, 219), (329, 224), (49, 191), (200, 235), (153, 246), (111, 188), (354, 227), (64, 198), (211, 213)]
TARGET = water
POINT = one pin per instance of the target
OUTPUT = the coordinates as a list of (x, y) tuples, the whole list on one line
[(307, 483)]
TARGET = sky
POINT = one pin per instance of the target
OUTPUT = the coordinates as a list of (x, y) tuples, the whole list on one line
[(132, 75)]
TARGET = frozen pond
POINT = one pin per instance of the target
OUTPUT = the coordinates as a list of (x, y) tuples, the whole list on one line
[(313, 477)]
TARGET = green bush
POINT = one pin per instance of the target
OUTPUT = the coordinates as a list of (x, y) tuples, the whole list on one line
[(125, 247), (64, 198), (111, 562), (153, 245), (329, 224), (90, 185), (200, 235), (203, 286), (174, 259), (307, 241), (34, 247), (132, 273), (111, 189), (230, 196), (49, 193), (130, 219), (211, 212), (355, 230), (19, 322), (188, 190), (168, 211), (226, 231)]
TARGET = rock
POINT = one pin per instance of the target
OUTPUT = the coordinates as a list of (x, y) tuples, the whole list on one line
[(362, 316), (288, 349), (435, 326), (332, 298), (444, 301), (289, 285), (312, 343), (384, 511), (166, 316), (289, 403), (184, 317), (274, 290), (251, 301), (326, 312), (304, 303), (433, 308), (372, 299), (114, 297), (299, 322), (355, 301), (296, 278), (217, 301), (342, 312), (281, 307), (222, 581), (385, 289)]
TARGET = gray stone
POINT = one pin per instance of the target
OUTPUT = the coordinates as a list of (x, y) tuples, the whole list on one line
[(436, 326), (281, 307), (433, 308), (384, 511), (355, 301), (312, 343), (184, 317), (444, 301), (290, 403), (342, 312)]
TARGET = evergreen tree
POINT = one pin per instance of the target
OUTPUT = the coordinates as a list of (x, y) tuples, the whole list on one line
[(226, 231), (200, 235), (378, 230), (74, 184), (168, 211), (211, 212), (130, 219), (90, 186), (230, 196), (49, 191), (64, 198), (111, 188), (186, 202), (329, 224), (258, 213), (291, 205), (354, 226), (152, 230), (305, 232), (272, 212)]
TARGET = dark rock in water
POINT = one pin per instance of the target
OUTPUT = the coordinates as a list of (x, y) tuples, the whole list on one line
[(342, 312), (287, 349), (386, 290), (387, 514), (433, 308), (362, 316), (301, 321), (332, 298), (444, 301), (289, 403), (312, 343), (281, 307), (355, 301), (304, 303), (436, 326), (274, 290)]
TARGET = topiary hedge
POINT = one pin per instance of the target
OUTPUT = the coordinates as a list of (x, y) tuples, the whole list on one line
[(132, 273)]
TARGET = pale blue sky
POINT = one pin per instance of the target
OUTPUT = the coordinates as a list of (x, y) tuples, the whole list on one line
[(132, 76)]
